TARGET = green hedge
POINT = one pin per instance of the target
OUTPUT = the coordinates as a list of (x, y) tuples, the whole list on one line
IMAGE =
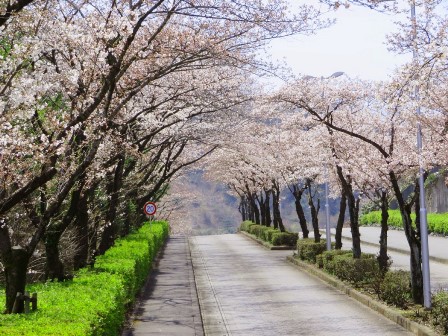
[(284, 239), (328, 259), (257, 230), (374, 217), (245, 226), (307, 249), (364, 270), (440, 310), (269, 234), (396, 288), (437, 223), (95, 301)]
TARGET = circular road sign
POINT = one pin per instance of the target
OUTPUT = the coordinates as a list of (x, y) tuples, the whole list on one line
[(150, 208)]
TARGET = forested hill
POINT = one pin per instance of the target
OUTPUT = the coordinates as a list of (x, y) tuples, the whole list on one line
[(209, 208)]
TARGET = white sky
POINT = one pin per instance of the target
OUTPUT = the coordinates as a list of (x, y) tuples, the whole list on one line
[(354, 45)]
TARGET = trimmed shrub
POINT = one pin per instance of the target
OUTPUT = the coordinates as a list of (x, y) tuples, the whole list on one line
[(256, 230), (440, 310), (319, 261), (284, 238), (262, 232), (245, 226), (267, 234), (93, 303), (396, 288), (307, 249), (328, 256), (356, 271), (437, 223), (374, 217)]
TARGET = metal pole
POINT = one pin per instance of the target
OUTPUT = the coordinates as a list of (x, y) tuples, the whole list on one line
[(327, 211), (327, 205), (421, 183)]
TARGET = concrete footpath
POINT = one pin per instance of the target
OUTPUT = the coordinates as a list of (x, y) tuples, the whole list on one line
[(168, 305), (245, 289)]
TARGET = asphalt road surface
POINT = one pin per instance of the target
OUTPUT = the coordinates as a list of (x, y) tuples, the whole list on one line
[(245, 289)]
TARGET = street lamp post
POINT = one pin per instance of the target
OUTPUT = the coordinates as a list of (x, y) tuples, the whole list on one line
[(327, 205), (327, 211), (327, 175), (421, 183)]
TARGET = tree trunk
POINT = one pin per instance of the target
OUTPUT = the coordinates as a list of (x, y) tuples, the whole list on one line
[(416, 271), (54, 268), (241, 209), (340, 223), (297, 193), (353, 210), (82, 232), (261, 204), (255, 209), (383, 258), (267, 207), (413, 241), (251, 212), (314, 211), (132, 217), (275, 213), (110, 230), (417, 250), (15, 276), (276, 207), (246, 209)]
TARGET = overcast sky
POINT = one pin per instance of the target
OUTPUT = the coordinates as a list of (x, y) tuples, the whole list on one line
[(354, 45)]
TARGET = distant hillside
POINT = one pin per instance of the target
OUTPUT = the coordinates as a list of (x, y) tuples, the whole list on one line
[(208, 208)]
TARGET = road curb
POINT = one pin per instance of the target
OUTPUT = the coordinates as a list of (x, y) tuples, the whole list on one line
[(266, 244), (381, 308)]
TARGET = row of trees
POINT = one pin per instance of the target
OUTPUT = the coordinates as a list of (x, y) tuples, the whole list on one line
[(102, 103), (359, 136)]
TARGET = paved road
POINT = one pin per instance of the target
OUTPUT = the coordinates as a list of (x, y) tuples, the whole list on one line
[(247, 290), (169, 305), (396, 239)]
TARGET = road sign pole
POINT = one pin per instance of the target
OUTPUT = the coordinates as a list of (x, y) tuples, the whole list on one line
[(150, 209)]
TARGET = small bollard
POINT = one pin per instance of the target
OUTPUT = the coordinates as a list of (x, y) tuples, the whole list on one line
[(34, 302), (27, 303)]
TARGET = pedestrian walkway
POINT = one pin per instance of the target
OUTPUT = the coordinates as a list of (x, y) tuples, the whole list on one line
[(169, 305), (245, 289)]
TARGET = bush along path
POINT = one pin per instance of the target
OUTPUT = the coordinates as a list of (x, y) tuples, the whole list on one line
[(96, 300), (272, 238), (437, 223)]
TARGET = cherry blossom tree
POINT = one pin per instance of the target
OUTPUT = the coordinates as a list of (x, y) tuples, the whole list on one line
[(382, 119), (81, 79)]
